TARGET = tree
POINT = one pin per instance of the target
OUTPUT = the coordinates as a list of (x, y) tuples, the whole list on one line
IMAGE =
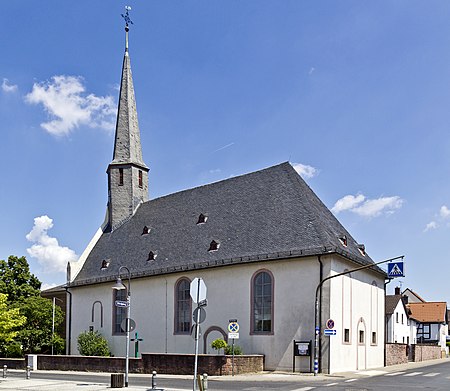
[(92, 343), (23, 290), (10, 321), (16, 281), (36, 333)]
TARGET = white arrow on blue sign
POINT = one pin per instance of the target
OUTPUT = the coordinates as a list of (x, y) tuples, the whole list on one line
[(329, 332), (395, 269)]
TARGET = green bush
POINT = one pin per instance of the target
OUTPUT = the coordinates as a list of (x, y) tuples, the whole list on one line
[(92, 343), (13, 349), (218, 344), (237, 350)]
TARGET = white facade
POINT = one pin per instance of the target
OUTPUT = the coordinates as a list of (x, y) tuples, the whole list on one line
[(355, 303), (400, 328)]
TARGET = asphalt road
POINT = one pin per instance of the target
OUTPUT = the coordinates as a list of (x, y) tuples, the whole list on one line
[(407, 377)]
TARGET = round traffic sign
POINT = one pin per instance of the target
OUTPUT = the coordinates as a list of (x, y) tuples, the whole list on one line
[(233, 327), (201, 313), (131, 324), (193, 330), (330, 324)]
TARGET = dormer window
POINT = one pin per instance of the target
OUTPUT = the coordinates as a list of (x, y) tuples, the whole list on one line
[(145, 231), (202, 219), (343, 240), (151, 256), (213, 246), (362, 249), (105, 264)]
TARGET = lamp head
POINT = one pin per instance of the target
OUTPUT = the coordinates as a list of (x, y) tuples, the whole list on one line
[(119, 285)]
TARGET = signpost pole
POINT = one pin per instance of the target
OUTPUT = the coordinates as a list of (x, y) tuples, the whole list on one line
[(196, 335), (232, 358)]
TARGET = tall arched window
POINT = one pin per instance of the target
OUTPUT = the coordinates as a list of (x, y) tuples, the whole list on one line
[(262, 303), (183, 309)]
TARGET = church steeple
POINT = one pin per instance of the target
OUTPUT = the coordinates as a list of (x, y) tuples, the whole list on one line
[(127, 173)]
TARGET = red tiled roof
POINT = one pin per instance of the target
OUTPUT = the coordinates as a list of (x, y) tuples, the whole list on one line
[(431, 312)]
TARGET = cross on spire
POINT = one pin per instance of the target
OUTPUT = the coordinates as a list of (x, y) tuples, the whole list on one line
[(128, 21), (126, 16)]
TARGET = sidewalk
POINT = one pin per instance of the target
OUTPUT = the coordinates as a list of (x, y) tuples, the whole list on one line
[(16, 379)]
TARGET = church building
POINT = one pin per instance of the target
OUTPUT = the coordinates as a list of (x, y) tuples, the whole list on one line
[(261, 242)]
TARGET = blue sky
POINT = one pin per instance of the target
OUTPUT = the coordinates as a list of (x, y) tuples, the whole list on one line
[(357, 94)]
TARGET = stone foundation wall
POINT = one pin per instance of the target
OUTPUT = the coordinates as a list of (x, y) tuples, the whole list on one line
[(171, 364), (396, 353), (426, 352), (12, 363)]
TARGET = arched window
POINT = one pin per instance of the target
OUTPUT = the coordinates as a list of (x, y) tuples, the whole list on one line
[(262, 303), (183, 310), (119, 313)]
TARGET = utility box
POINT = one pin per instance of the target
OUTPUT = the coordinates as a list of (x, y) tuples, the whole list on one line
[(117, 380), (32, 362)]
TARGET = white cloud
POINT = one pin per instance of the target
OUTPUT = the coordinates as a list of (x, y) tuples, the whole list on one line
[(444, 212), (46, 249), (373, 208), (65, 101), (347, 203), (304, 170), (431, 225), (6, 87), (367, 207)]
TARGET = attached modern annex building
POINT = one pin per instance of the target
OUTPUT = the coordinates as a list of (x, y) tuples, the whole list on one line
[(262, 242)]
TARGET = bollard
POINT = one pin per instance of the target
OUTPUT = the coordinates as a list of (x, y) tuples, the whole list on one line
[(205, 382), (5, 369), (153, 380), (28, 373)]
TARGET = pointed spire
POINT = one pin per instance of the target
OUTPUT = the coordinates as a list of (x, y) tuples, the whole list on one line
[(127, 145)]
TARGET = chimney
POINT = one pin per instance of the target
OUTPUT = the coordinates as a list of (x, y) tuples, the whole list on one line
[(397, 290)]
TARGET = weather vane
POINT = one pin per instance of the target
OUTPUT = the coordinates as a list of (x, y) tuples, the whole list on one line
[(126, 16)]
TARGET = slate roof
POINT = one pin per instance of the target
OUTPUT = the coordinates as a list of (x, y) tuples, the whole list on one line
[(429, 312), (264, 215), (391, 303)]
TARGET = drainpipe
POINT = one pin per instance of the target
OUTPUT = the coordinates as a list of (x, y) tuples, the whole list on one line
[(318, 314), (385, 323), (69, 322)]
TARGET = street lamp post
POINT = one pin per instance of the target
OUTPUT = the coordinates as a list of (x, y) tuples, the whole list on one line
[(120, 286)]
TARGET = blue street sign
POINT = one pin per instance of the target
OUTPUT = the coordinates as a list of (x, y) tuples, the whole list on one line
[(395, 269), (329, 332)]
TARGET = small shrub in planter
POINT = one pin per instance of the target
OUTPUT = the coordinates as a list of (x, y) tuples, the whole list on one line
[(237, 350), (218, 344)]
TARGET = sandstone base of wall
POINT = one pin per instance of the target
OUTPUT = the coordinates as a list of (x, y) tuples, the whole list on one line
[(12, 363), (171, 364), (426, 352), (396, 353)]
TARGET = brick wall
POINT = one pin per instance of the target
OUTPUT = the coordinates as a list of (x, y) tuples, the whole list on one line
[(88, 363), (12, 363), (179, 364), (426, 352), (396, 353)]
